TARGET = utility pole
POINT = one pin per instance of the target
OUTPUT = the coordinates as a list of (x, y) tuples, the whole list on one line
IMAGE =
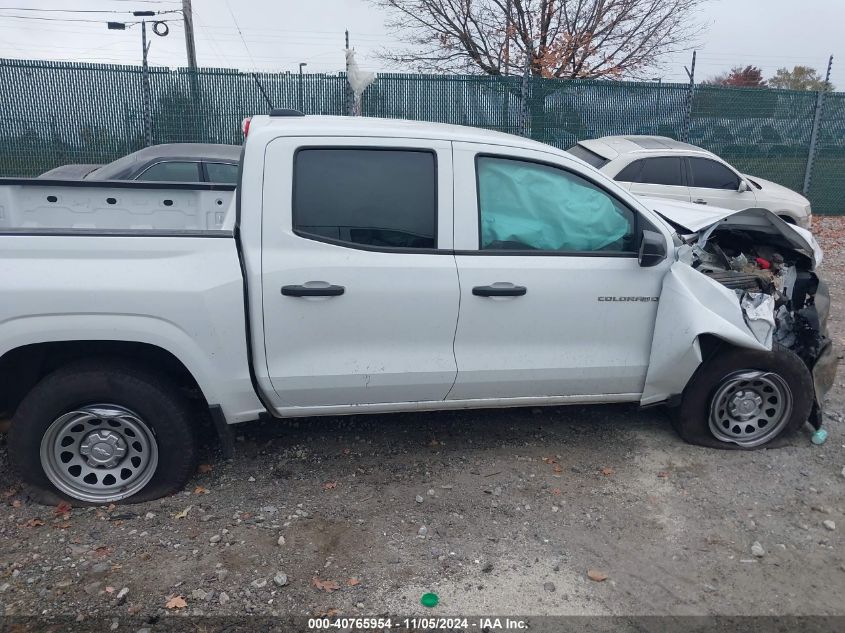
[(190, 44), (190, 49), (161, 29), (145, 78), (814, 136)]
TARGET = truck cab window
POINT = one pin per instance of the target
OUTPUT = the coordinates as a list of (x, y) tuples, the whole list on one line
[(380, 198), (531, 206)]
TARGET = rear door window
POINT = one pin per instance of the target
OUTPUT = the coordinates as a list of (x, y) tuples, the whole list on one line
[(710, 174), (662, 170), (225, 173), (381, 198)]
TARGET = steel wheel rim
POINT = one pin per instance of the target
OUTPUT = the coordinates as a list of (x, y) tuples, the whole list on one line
[(750, 407), (99, 453)]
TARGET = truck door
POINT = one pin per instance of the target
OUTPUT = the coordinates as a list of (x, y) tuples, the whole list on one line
[(359, 282), (553, 300)]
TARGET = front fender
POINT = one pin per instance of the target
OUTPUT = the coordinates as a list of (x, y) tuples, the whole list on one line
[(691, 304)]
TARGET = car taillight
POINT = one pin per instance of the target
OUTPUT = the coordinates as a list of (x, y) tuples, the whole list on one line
[(245, 125)]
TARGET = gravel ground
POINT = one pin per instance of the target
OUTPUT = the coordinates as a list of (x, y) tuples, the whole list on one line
[(498, 512)]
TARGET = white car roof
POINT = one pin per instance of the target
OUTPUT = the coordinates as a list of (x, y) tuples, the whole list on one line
[(318, 125), (611, 147)]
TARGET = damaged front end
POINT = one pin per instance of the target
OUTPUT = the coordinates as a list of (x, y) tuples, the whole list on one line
[(770, 296)]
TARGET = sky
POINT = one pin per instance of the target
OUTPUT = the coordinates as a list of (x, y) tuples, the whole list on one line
[(278, 35)]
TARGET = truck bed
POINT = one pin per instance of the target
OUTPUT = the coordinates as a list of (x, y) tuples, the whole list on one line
[(181, 292), (39, 206)]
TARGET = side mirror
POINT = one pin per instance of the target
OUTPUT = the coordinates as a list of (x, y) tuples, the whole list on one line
[(652, 248), (743, 186)]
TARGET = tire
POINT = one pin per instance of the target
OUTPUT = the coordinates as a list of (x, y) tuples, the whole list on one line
[(745, 399), (118, 423)]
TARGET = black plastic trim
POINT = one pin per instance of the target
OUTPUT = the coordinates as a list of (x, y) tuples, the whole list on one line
[(224, 432), (499, 291), (280, 112), (489, 252), (117, 184), (308, 291), (369, 247), (253, 377)]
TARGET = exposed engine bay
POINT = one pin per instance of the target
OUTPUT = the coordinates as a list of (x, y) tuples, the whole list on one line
[(773, 276), (775, 286)]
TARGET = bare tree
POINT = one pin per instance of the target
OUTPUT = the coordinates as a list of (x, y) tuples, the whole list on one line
[(552, 38)]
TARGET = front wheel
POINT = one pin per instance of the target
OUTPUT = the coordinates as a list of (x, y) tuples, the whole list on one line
[(100, 432), (745, 399)]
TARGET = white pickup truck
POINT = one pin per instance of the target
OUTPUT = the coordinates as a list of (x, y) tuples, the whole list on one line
[(370, 266)]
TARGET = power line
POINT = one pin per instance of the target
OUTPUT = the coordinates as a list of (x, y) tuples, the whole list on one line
[(212, 41), (34, 17), (72, 10), (234, 19)]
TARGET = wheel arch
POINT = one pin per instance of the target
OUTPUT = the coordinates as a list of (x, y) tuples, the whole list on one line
[(22, 367)]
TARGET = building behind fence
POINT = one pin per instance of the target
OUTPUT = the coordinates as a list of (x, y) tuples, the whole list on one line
[(53, 113)]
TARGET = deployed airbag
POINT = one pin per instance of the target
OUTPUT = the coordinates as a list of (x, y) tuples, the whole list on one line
[(527, 205)]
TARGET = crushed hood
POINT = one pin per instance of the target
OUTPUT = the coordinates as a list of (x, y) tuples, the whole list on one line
[(696, 218)]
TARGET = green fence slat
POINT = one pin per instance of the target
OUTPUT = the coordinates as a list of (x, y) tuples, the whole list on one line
[(54, 113)]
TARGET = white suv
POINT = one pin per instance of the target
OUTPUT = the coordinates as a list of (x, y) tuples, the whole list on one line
[(657, 166)]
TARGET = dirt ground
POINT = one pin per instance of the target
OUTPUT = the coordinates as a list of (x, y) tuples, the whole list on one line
[(497, 512)]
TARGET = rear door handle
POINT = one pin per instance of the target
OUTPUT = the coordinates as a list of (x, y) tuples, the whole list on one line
[(313, 291), (700, 201), (499, 291)]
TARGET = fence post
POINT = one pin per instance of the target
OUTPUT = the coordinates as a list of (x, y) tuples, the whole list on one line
[(526, 80), (814, 135), (690, 97)]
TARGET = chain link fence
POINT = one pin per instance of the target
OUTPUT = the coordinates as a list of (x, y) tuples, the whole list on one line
[(54, 113)]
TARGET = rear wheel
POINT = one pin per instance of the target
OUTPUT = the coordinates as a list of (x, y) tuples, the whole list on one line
[(745, 399), (100, 432)]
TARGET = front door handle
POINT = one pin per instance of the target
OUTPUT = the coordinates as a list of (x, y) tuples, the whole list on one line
[(700, 201), (313, 291), (508, 290)]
